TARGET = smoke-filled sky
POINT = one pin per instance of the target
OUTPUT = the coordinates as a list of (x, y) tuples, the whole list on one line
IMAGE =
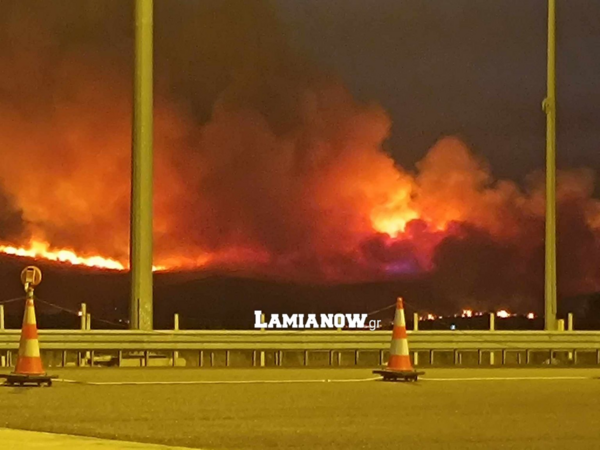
[(311, 140)]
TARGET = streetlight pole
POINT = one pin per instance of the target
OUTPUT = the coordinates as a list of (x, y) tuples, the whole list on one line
[(140, 250), (550, 110)]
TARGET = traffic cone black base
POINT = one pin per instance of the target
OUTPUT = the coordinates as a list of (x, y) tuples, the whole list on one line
[(398, 375), (15, 379)]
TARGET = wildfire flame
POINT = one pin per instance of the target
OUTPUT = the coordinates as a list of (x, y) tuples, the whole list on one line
[(393, 217), (42, 250)]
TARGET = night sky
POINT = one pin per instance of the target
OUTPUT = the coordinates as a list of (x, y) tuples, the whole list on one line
[(475, 68)]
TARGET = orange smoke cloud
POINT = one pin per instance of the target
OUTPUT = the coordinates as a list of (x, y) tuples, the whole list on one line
[(286, 178)]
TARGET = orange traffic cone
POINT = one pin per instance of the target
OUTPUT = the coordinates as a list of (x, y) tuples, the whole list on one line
[(399, 365), (29, 361), (29, 368)]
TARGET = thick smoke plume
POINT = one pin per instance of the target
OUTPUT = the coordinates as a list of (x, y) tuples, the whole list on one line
[(285, 174)]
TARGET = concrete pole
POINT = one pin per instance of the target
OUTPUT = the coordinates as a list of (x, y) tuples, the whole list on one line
[(2, 317), (550, 110), (140, 252)]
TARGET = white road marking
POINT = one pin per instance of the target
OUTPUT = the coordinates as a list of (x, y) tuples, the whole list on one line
[(505, 378)]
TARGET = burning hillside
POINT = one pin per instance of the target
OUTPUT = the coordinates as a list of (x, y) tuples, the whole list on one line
[(288, 177)]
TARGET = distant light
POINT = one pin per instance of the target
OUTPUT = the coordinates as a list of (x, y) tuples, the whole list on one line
[(467, 313), (79, 313), (531, 316), (503, 314), (453, 327)]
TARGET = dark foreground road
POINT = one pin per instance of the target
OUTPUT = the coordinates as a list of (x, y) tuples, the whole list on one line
[(448, 409)]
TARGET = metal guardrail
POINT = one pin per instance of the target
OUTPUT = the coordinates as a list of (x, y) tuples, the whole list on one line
[(304, 340)]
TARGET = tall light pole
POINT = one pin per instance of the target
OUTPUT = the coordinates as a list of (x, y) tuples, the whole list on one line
[(140, 245), (550, 110)]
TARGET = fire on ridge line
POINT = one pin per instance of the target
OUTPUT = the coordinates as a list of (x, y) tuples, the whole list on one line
[(42, 250), (390, 220)]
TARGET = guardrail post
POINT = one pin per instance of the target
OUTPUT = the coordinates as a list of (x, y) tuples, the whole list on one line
[(88, 326), (83, 312), (305, 358), (492, 358), (119, 358), (226, 358), (416, 358), (561, 324), (262, 353), (175, 328), (492, 321), (2, 318), (415, 321), (570, 321)]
